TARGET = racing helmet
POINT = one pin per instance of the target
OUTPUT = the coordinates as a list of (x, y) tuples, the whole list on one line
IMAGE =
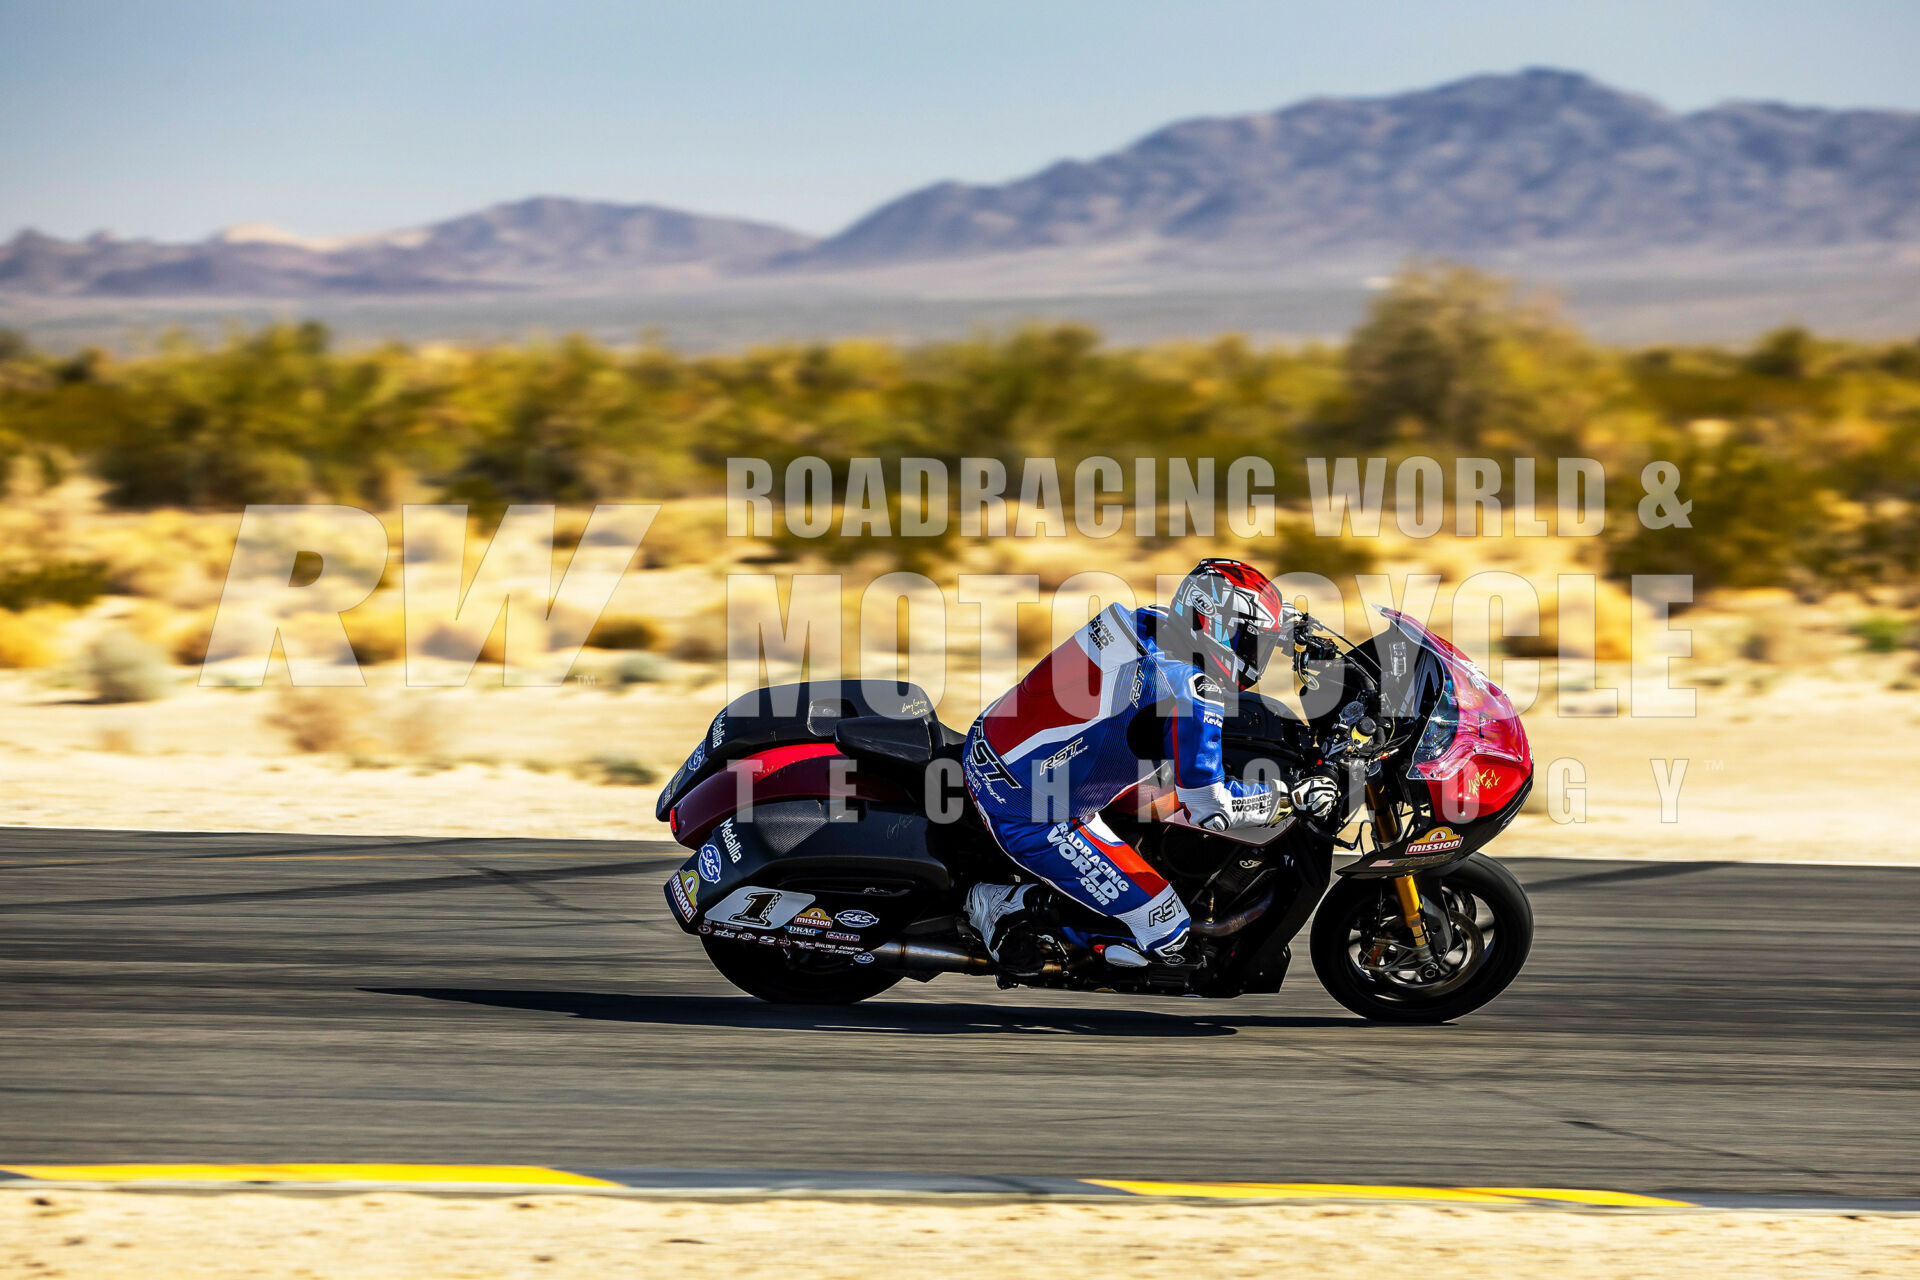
[(1231, 616)]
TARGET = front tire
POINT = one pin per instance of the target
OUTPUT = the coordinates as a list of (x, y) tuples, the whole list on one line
[(1358, 927), (766, 974)]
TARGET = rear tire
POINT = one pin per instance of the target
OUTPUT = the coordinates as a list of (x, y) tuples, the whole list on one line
[(765, 974), (1342, 925)]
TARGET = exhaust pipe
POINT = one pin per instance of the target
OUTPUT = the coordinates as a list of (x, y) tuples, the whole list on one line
[(939, 956), (1235, 922)]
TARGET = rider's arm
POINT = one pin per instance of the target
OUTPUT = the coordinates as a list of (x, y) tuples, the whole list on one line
[(1194, 725)]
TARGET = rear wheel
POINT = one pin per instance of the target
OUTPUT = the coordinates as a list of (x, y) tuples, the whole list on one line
[(1364, 956), (779, 977)]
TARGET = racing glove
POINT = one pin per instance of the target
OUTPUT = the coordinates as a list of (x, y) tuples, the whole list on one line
[(1316, 794), (1218, 807)]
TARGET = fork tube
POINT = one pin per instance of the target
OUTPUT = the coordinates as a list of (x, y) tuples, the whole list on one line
[(1410, 909), (1386, 819)]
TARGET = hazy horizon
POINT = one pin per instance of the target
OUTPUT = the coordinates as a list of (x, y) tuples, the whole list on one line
[(174, 122)]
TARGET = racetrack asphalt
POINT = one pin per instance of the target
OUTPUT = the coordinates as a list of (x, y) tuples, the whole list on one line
[(1691, 1028)]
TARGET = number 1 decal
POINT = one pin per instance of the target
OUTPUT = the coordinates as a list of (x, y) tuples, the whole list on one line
[(757, 907), (756, 911)]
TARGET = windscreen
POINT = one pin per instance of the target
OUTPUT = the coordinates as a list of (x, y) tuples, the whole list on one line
[(1472, 723)]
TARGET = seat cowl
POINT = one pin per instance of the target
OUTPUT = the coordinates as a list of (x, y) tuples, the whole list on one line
[(909, 742)]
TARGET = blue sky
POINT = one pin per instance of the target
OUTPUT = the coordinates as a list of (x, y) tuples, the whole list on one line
[(172, 119)]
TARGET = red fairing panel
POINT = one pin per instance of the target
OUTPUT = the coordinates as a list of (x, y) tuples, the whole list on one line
[(801, 771), (1488, 758)]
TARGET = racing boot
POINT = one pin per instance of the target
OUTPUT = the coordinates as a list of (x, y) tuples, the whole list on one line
[(1010, 921)]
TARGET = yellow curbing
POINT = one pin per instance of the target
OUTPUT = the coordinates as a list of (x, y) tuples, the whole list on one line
[(1362, 1191), (1600, 1199), (440, 1174)]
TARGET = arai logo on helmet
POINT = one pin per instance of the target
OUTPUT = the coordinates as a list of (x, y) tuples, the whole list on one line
[(855, 918), (709, 863)]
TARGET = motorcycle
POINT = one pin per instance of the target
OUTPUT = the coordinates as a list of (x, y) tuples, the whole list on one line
[(834, 842)]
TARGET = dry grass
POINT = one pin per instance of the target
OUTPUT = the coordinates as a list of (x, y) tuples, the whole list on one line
[(377, 630), (319, 720), (121, 667), (32, 638)]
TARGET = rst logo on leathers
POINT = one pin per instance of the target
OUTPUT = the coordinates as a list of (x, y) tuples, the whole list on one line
[(987, 767)]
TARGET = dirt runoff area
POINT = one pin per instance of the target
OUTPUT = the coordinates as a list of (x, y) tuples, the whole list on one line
[(106, 1235)]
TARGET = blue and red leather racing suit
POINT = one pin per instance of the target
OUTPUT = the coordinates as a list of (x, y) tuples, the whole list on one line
[(1064, 743)]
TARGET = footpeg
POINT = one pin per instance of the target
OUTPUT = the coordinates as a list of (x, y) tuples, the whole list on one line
[(1122, 956)]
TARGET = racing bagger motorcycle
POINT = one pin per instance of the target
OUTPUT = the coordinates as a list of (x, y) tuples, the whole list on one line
[(834, 842)]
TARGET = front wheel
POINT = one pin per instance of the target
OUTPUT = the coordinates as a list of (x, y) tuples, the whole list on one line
[(1364, 956), (769, 974)]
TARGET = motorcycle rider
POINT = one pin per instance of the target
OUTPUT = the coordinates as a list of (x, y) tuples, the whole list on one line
[(1132, 685)]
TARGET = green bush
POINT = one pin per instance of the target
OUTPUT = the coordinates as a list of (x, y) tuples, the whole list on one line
[(70, 582), (1882, 632), (625, 631)]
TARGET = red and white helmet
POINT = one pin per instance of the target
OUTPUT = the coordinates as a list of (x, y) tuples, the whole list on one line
[(1232, 616)]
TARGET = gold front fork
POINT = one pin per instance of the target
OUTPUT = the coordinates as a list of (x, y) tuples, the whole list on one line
[(1410, 909)]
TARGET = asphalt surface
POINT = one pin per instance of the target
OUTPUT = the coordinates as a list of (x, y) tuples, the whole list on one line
[(1703, 1028)]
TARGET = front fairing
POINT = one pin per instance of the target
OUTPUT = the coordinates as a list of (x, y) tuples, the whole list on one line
[(1472, 754)]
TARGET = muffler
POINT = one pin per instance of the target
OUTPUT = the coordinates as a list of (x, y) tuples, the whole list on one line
[(940, 956)]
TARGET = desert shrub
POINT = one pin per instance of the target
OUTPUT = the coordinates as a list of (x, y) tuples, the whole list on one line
[(1611, 638), (377, 630), (1881, 632), (623, 771), (640, 668), (70, 582), (1762, 644), (701, 642), (121, 667), (318, 720), (31, 639), (625, 631), (418, 728), (445, 639), (187, 639), (1338, 559)]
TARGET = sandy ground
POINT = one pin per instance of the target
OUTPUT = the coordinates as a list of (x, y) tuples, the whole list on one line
[(108, 1235), (1812, 767)]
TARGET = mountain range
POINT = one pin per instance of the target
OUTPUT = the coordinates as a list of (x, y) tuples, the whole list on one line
[(1537, 166)]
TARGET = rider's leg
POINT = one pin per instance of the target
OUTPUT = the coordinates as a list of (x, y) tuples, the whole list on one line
[(1084, 860)]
